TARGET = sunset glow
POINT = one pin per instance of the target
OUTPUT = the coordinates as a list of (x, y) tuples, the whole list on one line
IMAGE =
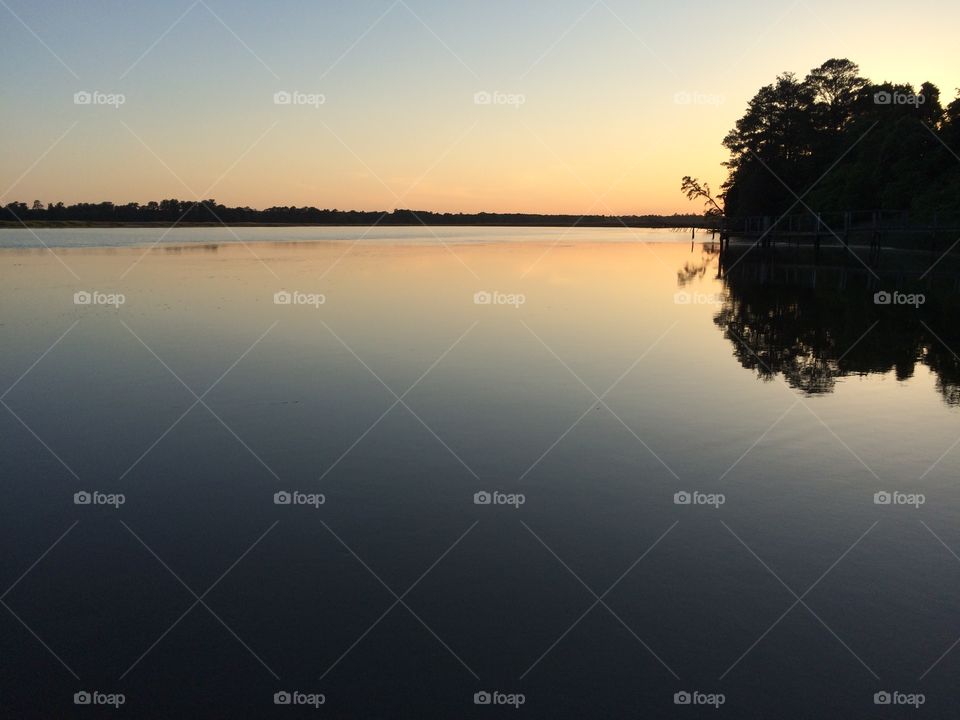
[(592, 108)]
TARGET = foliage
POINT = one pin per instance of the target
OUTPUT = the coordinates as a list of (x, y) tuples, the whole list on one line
[(840, 142)]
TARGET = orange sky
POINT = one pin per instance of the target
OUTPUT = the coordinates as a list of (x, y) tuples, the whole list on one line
[(593, 108)]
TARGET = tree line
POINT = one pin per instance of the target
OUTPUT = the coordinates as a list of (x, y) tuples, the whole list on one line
[(210, 211), (854, 144)]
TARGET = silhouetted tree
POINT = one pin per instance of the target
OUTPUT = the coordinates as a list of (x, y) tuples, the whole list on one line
[(694, 189), (858, 145)]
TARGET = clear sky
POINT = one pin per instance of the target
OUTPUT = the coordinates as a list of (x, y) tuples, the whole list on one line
[(597, 105)]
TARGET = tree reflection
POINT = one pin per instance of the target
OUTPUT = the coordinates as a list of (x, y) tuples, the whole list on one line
[(697, 269), (813, 325)]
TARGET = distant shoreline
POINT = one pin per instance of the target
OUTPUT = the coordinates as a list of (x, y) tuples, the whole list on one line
[(545, 222)]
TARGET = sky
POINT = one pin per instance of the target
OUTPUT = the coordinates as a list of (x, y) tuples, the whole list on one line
[(559, 106)]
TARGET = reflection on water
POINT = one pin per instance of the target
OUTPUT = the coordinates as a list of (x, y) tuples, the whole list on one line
[(696, 269), (599, 398), (160, 236), (815, 323)]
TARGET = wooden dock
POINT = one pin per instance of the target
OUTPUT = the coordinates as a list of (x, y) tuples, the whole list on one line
[(872, 231)]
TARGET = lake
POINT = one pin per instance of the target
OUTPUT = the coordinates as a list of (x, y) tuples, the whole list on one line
[(464, 472)]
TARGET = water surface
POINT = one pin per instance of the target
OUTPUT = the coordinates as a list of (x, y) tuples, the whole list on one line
[(613, 376)]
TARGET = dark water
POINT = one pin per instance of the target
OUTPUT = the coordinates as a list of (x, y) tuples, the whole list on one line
[(598, 398)]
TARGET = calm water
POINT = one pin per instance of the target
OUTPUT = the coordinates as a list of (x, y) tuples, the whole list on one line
[(155, 236), (587, 385)]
